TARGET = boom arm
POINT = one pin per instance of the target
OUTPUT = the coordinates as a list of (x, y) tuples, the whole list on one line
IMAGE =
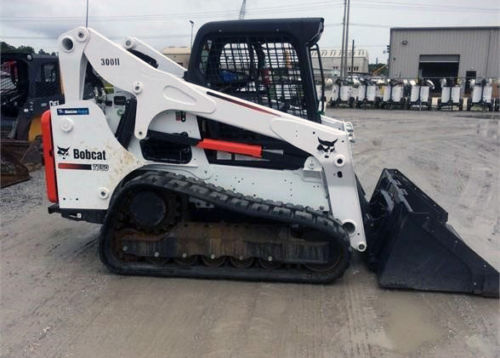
[(164, 63)]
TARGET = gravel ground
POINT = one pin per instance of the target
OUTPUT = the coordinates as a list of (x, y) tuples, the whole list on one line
[(57, 300)]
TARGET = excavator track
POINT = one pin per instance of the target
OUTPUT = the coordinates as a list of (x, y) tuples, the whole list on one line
[(270, 241)]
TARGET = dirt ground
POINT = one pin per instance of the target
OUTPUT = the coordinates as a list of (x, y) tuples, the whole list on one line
[(57, 300)]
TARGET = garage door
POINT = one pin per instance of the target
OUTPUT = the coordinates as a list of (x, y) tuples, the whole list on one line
[(439, 58), (436, 67)]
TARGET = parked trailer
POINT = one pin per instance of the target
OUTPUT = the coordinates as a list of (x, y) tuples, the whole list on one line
[(450, 94), (481, 95)]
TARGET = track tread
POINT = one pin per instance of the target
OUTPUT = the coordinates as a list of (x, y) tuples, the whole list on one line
[(229, 200)]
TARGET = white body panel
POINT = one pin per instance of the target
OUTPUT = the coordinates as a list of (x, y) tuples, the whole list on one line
[(396, 93), (88, 188), (345, 93), (335, 92), (450, 94), (371, 93), (359, 92), (327, 180), (366, 92), (419, 93), (445, 94), (455, 94), (487, 91)]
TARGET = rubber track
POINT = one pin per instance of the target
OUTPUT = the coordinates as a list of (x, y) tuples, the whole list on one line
[(246, 205)]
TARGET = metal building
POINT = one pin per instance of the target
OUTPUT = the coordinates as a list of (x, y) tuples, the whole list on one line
[(330, 59), (437, 52), (178, 54)]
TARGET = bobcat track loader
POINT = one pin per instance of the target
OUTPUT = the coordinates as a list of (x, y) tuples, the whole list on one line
[(227, 170)]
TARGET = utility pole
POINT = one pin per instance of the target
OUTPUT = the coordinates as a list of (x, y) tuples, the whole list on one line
[(347, 35), (343, 42), (192, 24), (87, 15), (243, 10), (352, 60)]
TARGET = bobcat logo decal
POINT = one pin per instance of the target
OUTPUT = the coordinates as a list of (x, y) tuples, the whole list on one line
[(63, 152), (326, 146)]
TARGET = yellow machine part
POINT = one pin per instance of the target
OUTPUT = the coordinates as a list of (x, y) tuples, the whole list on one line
[(35, 129)]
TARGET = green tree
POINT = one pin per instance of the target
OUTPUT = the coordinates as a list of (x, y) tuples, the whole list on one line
[(5, 47)]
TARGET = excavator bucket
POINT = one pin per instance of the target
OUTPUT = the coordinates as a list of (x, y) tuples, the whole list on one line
[(411, 246)]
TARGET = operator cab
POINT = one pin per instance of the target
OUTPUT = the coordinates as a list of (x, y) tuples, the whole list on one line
[(28, 83), (263, 61)]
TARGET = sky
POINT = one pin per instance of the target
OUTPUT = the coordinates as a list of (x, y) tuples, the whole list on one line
[(163, 23)]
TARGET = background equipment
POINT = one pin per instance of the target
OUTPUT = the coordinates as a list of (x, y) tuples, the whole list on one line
[(342, 93), (481, 96), (450, 94), (420, 94), (29, 83), (394, 94), (367, 93)]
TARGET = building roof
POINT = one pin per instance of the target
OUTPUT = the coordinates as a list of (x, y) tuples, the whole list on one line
[(183, 50), (449, 28)]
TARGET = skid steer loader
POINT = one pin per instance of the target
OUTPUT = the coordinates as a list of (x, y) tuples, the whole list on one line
[(228, 170), (29, 82)]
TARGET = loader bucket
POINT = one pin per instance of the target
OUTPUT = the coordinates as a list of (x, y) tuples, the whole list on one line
[(19, 157), (411, 246), (13, 171)]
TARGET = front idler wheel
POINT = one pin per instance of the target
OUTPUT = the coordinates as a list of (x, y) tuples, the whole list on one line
[(340, 252)]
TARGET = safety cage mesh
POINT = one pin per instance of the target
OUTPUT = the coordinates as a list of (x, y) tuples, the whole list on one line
[(15, 79), (13, 83), (263, 70)]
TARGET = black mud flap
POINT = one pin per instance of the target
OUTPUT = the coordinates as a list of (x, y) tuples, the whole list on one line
[(410, 245)]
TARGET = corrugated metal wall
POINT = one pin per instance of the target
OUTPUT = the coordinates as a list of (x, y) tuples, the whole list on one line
[(479, 50)]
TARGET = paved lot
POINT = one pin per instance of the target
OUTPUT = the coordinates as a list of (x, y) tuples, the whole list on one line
[(57, 300)]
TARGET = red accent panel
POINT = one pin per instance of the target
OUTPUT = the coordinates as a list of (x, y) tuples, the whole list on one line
[(74, 166), (48, 156), (231, 147)]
